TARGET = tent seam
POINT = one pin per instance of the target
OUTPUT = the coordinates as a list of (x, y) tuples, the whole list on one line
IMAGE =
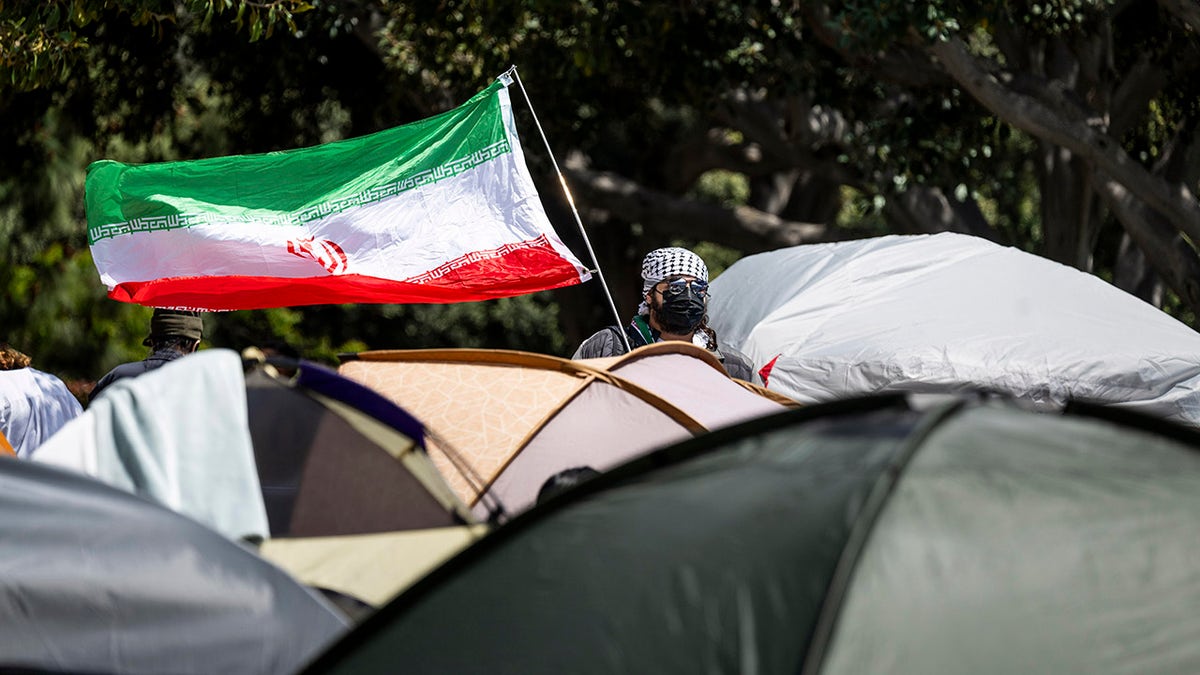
[(860, 534)]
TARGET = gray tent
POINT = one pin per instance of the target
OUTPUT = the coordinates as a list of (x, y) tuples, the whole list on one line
[(98, 580), (950, 312), (869, 536)]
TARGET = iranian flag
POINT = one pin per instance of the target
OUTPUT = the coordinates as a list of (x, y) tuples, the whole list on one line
[(441, 210)]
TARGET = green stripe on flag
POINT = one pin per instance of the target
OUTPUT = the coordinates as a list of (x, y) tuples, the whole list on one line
[(296, 186)]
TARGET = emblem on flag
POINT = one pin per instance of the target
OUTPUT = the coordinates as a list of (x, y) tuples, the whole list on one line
[(325, 253)]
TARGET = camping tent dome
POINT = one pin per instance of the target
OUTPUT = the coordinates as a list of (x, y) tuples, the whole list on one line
[(951, 312), (97, 580), (864, 536), (504, 421)]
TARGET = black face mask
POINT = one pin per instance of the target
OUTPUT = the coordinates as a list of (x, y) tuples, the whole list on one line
[(682, 313)]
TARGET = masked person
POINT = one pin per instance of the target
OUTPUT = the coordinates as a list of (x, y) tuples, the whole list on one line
[(674, 307), (173, 333)]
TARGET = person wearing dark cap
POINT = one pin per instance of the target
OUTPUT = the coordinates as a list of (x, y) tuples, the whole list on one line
[(674, 307), (173, 333)]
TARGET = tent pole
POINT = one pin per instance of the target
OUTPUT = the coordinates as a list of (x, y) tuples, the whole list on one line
[(575, 212), (496, 511)]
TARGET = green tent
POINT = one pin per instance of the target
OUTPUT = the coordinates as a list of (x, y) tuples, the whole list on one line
[(889, 535)]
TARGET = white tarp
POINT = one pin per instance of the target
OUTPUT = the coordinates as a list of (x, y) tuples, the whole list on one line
[(177, 435), (950, 312)]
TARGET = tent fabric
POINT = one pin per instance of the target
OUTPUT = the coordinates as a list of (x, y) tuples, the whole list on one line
[(94, 579), (585, 433), (476, 405), (669, 370), (961, 535), (327, 382), (951, 312), (176, 435), (516, 418), (1072, 534), (761, 390), (33, 406), (339, 466), (370, 567)]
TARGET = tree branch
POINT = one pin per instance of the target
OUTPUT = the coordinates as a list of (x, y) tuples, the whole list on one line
[(901, 64), (1142, 83), (1172, 257), (792, 145), (629, 201), (689, 159), (781, 125), (1186, 11), (927, 210), (1175, 202)]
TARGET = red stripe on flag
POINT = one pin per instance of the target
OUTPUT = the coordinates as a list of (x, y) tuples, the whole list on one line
[(516, 272)]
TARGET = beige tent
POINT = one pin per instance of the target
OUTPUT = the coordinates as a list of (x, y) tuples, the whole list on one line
[(372, 568), (502, 422)]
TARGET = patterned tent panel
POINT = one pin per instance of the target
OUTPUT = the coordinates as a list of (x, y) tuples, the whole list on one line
[(482, 410), (515, 418)]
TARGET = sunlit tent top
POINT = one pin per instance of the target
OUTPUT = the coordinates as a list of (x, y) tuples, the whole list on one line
[(516, 418), (371, 568), (950, 312)]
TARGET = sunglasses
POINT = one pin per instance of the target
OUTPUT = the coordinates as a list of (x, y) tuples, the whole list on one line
[(674, 287)]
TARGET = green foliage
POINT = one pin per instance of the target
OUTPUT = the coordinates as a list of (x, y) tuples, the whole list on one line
[(727, 188), (321, 333), (43, 42), (718, 258), (868, 25), (54, 309), (871, 25), (621, 86), (863, 211)]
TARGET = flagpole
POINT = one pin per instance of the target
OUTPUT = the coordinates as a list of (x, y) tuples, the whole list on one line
[(575, 212)]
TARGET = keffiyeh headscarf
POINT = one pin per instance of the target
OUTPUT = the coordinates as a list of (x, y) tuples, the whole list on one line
[(668, 262)]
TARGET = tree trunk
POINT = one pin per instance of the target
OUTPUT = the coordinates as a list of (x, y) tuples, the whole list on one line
[(1133, 273), (740, 227), (772, 193), (799, 195), (1068, 222), (927, 210), (1048, 119), (1167, 251), (815, 199)]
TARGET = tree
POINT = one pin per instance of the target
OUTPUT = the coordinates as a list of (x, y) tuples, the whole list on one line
[(1065, 127), (168, 88)]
